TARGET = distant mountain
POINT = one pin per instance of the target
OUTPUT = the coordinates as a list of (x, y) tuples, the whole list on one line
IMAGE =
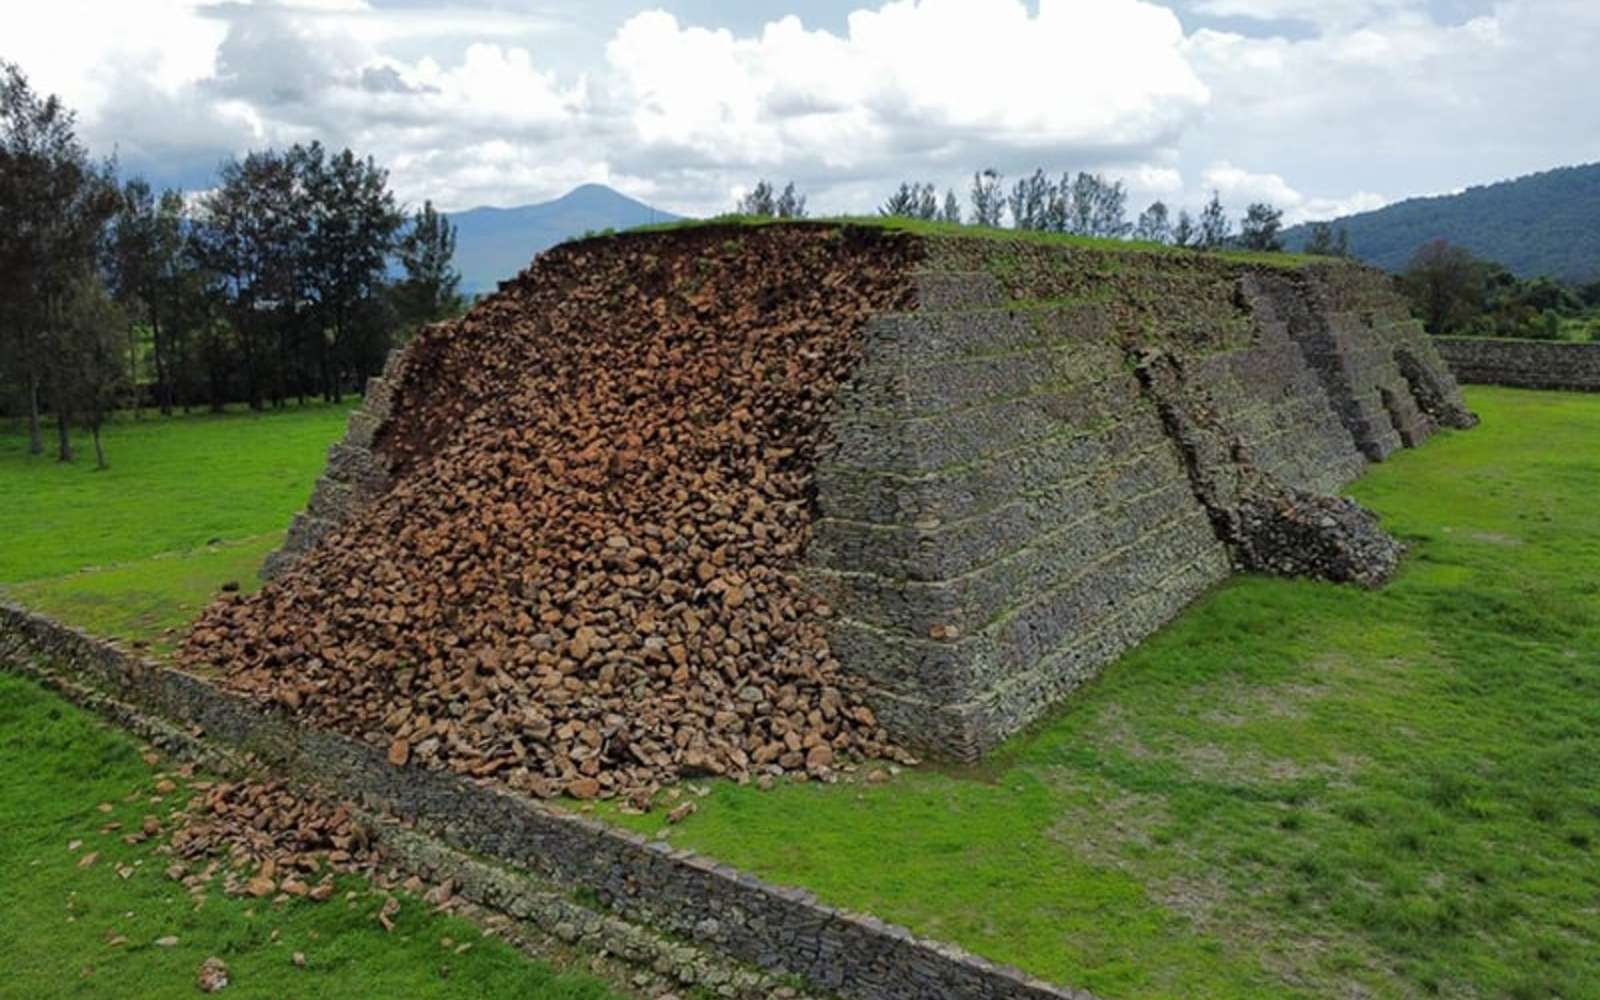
[(1542, 224), (493, 244)]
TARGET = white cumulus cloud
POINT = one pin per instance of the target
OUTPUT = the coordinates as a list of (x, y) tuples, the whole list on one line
[(1238, 188), (1311, 104), (933, 88)]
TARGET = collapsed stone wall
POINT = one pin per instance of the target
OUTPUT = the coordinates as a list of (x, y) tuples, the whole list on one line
[(1012, 461), (1527, 364), (580, 577)]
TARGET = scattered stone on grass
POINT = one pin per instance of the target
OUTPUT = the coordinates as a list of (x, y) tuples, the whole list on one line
[(275, 842), (681, 813), (212, 976)]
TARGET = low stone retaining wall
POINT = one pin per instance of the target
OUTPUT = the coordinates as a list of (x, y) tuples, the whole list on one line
[(547, 911), (1528, 364), (782, 930)]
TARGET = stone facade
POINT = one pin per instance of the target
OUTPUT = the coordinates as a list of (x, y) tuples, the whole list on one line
[(684, 896), (1529, 364), (1044, 463), (1382, 376), (354, 475)]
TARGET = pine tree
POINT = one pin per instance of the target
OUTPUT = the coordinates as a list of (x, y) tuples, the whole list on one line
[(761, 200), (97, 383), (766, 201), (791, 204), (1155, 225), (1324, 242), (147, 255), (1109, 219), (54, 205), (429, 292), (901, 204), (1215, 226), (1081, 208), (952, 208), (988, 199), (1184, 233), (348, 252), (1030, 202), (1058, 206), (1261, 228)]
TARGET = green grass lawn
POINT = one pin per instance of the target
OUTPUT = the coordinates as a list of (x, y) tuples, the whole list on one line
[(149, 600), (931, 229), (1296, 789), (71, 931), (188, 504), (174, 485)]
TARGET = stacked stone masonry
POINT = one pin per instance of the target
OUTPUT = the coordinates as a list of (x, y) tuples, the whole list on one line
[(354, 474), (1528, 364), (1058, 448), (1012, 500)]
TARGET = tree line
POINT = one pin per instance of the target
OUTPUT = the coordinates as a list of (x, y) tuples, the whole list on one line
[(1455, 293), (290, 279), (1085, 204)]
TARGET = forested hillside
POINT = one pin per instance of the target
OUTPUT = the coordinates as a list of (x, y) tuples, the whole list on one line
[(1542, 224)]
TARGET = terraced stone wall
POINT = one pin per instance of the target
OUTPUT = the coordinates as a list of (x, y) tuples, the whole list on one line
[(1002, 513), (1382, 375), (1528, 364), (1060, 449)]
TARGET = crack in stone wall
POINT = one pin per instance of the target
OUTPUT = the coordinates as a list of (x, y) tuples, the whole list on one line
[(1269, 526)]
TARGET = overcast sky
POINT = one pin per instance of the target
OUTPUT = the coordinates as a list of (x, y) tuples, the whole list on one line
[(1320, 106)]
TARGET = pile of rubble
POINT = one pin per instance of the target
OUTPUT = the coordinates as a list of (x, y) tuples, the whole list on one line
[(1294, 533), (263, 840), (583, 579)]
